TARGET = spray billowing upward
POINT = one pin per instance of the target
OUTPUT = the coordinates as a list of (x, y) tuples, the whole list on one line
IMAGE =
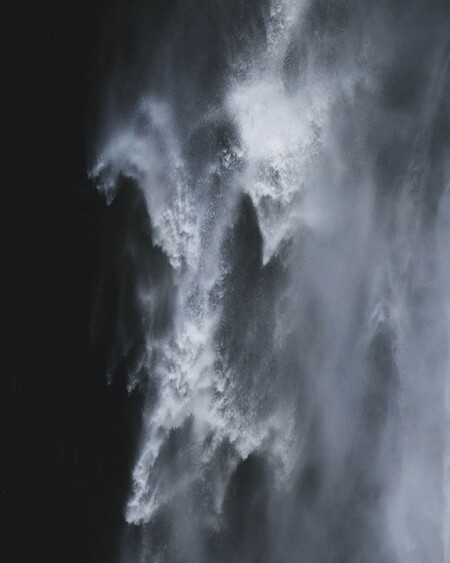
[(293, 305)]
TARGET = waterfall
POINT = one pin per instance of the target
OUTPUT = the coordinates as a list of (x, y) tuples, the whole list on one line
[(292, 286)]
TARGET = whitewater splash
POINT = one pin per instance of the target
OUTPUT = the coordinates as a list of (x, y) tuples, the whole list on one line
[(294, 160)]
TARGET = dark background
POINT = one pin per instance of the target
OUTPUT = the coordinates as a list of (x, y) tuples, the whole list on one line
[(64, 430)]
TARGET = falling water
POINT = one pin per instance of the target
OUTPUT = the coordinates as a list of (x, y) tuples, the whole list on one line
[(290, 160)]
